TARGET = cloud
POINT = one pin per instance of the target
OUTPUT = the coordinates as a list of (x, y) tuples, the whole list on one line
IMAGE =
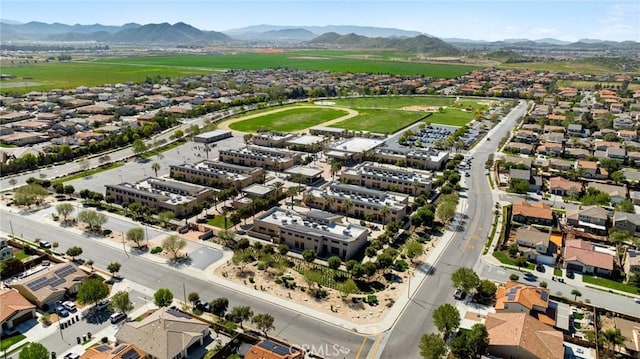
[(621, 21)]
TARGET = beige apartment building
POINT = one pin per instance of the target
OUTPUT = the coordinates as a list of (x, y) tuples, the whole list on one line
[(317, 230), (356, 201), (388, 178), (276, 159), (161, 194), (422, 159), (216, 174)]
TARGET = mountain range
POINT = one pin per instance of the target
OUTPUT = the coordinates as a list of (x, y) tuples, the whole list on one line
[(330, 35)]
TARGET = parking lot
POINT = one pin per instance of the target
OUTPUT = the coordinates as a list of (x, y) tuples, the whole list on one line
[(431, 134)]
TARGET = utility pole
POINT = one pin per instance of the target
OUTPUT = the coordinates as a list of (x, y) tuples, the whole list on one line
[(123, 245)]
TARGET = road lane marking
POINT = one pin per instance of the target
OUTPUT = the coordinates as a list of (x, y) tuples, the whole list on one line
[(364, 341), (376, 345)]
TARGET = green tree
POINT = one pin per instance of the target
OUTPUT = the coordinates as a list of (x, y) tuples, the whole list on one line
[(136, 235), (92, 291), (465, 278), (138, 147), (309, 255), (312, 277), (242, 257), (335, 168), (178, 134), (34, 351), (64, 210), (612, 338), (576, 293), (93, 219), (163, 297), (459, 346), (446, 318), (414, 249), (174, 244), (264, 322), (384, 211), (347, 288), (446, 211), (155, 167), (30, 194), (625, 206), (477, 340), (618, 177), (521, 261), (193, 297), (219, 306), (74, 252), (241, 313), (120, 302), (513, 249), (283, 248), (519, 186), (334, 262), (113, 268), (165, 217), (487, 289), (432, 346)]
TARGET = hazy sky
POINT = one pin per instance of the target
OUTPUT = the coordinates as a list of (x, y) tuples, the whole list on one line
[(472, 19)]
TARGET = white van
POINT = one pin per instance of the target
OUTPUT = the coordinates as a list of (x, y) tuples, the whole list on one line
[(70, 306), (116, 317)]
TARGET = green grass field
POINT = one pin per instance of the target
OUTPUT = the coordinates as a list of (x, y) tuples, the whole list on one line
[(451, 117), (561, 66), (380, 121), (398, 102), (290, 120), (346, 61), (73, 74)]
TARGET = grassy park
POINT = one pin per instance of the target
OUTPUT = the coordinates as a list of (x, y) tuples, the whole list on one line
[(289, 120), (380, 121)]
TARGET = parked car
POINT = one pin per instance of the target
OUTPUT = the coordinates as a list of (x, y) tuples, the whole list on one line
[(62, 311), (459, 294), (530, 277), (70, 306), (570, 274), (636, 299), (44, 244), (203, 306), (116, 317), (103, 304), (72, 356), (540, 267)]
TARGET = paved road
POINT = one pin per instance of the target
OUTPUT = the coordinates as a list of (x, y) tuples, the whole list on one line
[(291, 326), (464, 250)]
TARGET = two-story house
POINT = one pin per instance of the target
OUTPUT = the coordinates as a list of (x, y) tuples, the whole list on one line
[(526, 213), (591, 219)]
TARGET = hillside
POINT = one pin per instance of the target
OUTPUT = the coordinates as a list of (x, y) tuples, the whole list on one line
[(419, 44), (250, 32)]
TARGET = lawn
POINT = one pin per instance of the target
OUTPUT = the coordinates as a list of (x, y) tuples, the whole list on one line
[(289, 120), (218, 221), (339, 61), (45, 76), (21, 255), (504, 259), (398, 102), (5, 343), (611, 284), (380, 121), (557, 272), (451, 117)]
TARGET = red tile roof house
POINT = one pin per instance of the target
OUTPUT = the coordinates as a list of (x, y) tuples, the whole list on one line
[(537, 213), (582, 256), (563, 187), (15, 309)]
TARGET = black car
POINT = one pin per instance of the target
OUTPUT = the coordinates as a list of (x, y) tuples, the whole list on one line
[(459, 294), (530, 277), (570, 274), (540, 268), (203, 306)]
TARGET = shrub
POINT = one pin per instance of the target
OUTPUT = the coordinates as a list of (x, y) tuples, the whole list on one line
[(156, 250), (104, 340), (514, 277), (278, 281), (197, 311), (46, 319), (106, 232), (371, 298), (251, 280), (262, 266)]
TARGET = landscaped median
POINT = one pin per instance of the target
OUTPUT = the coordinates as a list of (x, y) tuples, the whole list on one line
[(611, 284)]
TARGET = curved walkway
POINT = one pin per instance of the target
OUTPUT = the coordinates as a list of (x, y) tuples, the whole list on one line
[(350, 114)]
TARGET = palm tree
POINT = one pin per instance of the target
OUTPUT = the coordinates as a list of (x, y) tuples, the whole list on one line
[(335, 167), (347, 203), (278, 185), (206, 150), (225, 212), (384, 210), (612, 338), (155, 167), (328, 202), (292, 191), (416, 185), (298, 178)]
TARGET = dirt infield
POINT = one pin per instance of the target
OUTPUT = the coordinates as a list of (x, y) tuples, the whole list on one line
[(422, 108)]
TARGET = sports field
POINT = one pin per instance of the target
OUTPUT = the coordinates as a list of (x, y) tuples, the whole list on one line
[(398, 102), (379, 121), (289, 120)]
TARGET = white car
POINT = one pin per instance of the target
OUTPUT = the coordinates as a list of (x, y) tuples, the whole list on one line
[(637, 299)]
